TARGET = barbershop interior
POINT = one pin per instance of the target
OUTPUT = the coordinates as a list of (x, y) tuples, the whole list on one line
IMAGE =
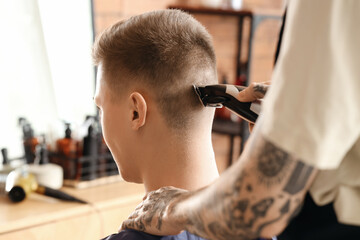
[(69, 171)]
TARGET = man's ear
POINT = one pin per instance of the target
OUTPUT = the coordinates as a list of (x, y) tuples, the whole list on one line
[(138, 108)]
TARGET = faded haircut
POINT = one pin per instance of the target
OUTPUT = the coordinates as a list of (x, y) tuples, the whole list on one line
[(165, 51)]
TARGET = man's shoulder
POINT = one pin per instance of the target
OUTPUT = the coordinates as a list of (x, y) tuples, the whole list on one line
[(130, 234)]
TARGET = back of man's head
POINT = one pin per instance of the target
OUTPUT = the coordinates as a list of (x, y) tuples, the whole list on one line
[(164, 51)]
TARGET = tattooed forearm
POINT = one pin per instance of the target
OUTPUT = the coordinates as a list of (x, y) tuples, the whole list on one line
[(155, 209), (244, 210), (235, 224)]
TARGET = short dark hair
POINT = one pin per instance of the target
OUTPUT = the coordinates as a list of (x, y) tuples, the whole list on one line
[(166, 51)]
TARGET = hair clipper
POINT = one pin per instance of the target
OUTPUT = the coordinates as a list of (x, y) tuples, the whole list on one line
[(220, 95)]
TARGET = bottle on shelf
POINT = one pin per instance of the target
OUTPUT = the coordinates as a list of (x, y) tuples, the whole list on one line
[(90, 151), (67, 155), (29, 140)]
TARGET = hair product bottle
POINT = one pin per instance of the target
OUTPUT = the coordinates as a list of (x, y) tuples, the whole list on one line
[(90, 152), (68, 153), (29, 140)]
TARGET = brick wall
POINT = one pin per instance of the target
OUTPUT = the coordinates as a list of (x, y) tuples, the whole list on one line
[(223, 29)]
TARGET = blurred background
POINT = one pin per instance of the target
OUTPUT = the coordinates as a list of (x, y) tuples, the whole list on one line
[(46, 69), (49, 122)]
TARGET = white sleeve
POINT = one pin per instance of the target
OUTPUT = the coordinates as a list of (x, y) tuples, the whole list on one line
[(312, 109)]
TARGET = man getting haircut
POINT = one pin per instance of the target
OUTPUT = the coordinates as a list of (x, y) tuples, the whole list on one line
[(155, 127)]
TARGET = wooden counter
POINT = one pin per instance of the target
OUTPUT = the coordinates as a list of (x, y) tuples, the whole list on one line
[(40, 217)]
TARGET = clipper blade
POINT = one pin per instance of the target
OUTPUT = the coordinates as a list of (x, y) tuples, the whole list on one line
[(199, 94), (208, 98), (219, 95)]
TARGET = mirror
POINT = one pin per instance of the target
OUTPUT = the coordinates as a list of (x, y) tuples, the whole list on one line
[(46, 70)]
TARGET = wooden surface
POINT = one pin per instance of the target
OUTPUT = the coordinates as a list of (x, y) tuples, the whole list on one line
[(40, 217)]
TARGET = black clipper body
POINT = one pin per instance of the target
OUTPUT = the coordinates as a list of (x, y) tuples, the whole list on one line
[(220, 95)]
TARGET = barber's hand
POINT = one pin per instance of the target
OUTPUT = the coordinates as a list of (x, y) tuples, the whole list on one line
[(253, 92), (156, 214)]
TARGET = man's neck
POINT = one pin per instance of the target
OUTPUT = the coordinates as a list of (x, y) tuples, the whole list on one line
[(183, 164)]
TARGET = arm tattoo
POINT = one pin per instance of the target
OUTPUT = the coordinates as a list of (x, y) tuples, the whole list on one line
[(152, 210), (241, 212), (285, 209), (237, 226), (298, 178), (272, 164)]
